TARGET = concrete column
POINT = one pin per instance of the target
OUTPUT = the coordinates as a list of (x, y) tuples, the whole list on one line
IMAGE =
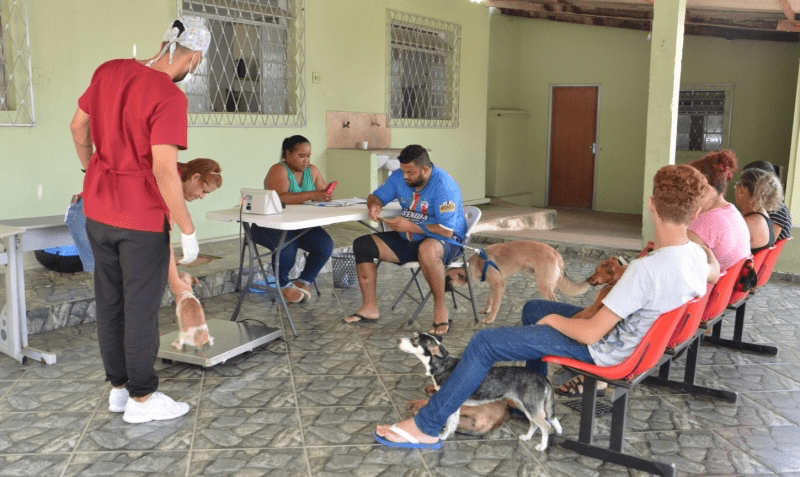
[(666, 53), (789, 260)]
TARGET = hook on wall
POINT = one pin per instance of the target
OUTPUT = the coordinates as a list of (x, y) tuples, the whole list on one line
[(346, 124)]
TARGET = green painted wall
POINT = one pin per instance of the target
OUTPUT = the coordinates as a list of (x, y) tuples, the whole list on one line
[(764, 75), (345, 42)]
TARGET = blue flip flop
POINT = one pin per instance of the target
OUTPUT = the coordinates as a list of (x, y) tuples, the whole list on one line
[(411, 443)]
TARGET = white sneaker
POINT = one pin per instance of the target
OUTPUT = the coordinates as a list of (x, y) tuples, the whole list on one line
[(159, 407), (117, 399)]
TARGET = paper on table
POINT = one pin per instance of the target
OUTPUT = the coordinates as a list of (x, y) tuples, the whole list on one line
[(339, 202)]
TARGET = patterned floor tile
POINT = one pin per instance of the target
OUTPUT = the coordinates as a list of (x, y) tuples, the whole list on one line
[(321, 363), (330, 341), (79, 362), (712, 414), (246, 393), (41, 432), (744, 378), (108, 432), (697, 453), (128, 464), (507, 457), (32, 465), (373, 460), (777, 447), (784, 403), (336, 426), (246, 428), (249, 462), (315, 391), (47, 395)]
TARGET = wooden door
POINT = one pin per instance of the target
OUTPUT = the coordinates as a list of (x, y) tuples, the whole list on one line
[(573, 146)]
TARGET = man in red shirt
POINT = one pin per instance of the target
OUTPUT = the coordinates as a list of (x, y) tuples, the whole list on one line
[(128, 128)]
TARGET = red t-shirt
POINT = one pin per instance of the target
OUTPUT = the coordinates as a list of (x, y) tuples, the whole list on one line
[(131, 108)]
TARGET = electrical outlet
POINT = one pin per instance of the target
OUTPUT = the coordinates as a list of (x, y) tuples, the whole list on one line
[(316, 77)]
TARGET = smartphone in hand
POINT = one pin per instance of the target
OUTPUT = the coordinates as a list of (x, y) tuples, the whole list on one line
[(331, 187)]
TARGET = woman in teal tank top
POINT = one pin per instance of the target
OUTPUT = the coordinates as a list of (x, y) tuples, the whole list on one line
[(296, 180)]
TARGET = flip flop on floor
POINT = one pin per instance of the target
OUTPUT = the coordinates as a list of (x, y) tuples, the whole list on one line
[(436, 327), (411, 441), (574, 388), (361, 319)]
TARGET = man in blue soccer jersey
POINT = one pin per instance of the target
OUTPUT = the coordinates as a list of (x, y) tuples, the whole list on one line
[(431, 220)]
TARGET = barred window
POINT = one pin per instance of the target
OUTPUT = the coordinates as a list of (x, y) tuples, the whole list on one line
[(254, 71), (424, 57), (703, 118), (16, 87)]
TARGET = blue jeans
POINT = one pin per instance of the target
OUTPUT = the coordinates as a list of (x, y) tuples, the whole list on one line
[(76, 224), (530, 342), (315, 241)]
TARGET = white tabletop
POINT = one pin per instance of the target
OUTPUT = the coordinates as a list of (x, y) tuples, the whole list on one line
[(303, 216), (7, 231)]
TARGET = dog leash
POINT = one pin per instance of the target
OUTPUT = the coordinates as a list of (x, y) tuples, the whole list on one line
[(487, 262)]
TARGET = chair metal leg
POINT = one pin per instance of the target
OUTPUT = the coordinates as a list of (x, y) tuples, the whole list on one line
[(471, 293), (413, 280), (688, 386), (737, 343), (613, 454)]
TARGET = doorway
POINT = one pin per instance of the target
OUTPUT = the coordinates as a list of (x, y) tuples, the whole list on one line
[(573, 145)]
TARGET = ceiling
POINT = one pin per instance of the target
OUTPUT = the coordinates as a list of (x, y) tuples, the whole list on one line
[(764, 20)]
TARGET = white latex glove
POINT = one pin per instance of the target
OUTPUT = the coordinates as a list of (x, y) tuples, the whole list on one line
[(190, 247)]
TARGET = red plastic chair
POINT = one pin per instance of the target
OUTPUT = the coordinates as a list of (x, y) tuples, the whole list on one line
[(623, 377), (721, 294), (764, 263), (769, 263), (686, 339), (758, 261), (690, 323)]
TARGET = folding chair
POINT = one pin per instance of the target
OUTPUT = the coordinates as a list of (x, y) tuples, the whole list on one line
[(764, 263), (472, 216), (624, 376)]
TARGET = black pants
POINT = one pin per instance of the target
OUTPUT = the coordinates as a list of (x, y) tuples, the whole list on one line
[(130, 277)]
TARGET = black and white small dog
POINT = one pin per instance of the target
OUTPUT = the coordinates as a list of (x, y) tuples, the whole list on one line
[(530, 391)]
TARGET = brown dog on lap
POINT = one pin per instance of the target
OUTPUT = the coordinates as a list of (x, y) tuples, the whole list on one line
[(607, 273)]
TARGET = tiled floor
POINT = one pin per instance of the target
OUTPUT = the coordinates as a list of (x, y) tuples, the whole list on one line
[(308, 406)]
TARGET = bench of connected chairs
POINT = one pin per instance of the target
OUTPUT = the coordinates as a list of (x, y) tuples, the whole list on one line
[(644, 360)]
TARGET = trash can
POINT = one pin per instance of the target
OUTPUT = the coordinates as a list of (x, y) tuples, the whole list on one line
[(344, 270)]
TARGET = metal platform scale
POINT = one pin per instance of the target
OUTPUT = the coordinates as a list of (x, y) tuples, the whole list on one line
[(231, 338)]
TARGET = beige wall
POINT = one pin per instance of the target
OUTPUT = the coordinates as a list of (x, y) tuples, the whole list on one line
[(345, 42), (764, 75)]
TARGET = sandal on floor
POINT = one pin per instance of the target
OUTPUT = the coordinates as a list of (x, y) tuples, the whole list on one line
[(574, 388), (436, 327), (411, 442), (361, 319)]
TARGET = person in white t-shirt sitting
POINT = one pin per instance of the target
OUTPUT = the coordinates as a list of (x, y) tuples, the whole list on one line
[(675, 272)]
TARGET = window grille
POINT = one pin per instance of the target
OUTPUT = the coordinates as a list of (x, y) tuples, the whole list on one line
[(424, 56), (16, 87), (703, 118), (255, 67)]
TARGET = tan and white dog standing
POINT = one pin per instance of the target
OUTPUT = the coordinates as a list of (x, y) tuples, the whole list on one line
[(191, 317), (528, 256)]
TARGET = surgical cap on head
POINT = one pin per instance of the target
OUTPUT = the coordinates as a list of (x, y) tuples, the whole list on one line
[(190, 33)]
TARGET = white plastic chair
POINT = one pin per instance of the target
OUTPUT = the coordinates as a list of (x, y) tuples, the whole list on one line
[(472, 215)]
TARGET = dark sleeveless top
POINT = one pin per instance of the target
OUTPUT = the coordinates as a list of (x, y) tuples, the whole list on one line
[(771, 241)]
